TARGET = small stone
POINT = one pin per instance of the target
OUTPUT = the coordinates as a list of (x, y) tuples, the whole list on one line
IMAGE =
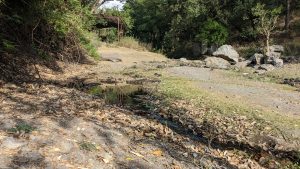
[(12, 143), (185, 154), (183, 60), (195, 155)]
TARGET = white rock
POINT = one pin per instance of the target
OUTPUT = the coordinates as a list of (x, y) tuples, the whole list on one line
[(183, 60), (257, 58), (215, 62), (267, 67), (278, 62), (277, 48), (228, 53)]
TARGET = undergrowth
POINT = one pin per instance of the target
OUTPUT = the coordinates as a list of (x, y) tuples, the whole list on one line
[(132, 43), (175, 88), (57, 28)]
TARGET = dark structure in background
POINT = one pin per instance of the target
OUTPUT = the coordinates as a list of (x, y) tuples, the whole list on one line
[(112, 22)]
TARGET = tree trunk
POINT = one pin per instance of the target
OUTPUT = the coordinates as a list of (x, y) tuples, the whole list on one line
[(268, 43), (287, 15)]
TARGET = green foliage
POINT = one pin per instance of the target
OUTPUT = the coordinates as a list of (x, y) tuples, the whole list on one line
[(174, 26), (89, 45), (8, 45), (111, 35), (266, 18), (123, 14), (212, 33), (23, 127), (87, 146), (108, 35), (48, 26), (117, 94)]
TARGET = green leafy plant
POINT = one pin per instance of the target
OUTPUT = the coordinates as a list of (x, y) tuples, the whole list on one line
[(89, 43), (23, 127), (212, 33)]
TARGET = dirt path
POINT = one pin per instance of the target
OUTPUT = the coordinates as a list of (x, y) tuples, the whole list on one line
[(268, 96), (255, 94)]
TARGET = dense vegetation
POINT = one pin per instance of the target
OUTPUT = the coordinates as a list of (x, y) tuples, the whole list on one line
[(178, 27), (60, 29), (49, 26), (38, 31)]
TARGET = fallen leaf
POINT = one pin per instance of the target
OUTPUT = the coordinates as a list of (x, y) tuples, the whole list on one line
[(129, 159), (157, 152), (137, 154), (105, 160)]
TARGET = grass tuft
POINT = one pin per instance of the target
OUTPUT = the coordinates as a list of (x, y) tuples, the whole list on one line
[(87, 146), (132, 43), (23, 127)]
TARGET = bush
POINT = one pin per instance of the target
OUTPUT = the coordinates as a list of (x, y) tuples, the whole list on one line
[(212, 33), (130, 42), (89, 44), (54, 27), (109, 35)]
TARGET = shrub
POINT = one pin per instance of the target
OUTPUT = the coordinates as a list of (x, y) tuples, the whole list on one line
[(46, 27), (130, 42), (212, 32)]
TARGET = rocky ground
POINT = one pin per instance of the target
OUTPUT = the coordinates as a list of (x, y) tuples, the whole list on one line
[(65, 121)]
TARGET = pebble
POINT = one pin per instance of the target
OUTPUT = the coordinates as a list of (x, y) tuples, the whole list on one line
[(12, 143), (185, 154)]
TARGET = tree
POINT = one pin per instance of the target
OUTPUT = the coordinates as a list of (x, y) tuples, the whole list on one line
[(95, 4), (287, 14), (212, 33), (266, 21)]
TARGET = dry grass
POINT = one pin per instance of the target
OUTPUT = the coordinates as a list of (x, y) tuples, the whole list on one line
[(178, 88), (130, 42), (288, 71)]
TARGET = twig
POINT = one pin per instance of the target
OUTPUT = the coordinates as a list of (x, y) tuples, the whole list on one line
[(32, 32)]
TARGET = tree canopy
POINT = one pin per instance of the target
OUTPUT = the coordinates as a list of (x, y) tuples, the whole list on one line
[(176, 26)]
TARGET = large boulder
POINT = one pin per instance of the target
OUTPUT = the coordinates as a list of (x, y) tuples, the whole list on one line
[(277, 48), (228, 53), (257, 58), (242, 64), (266, 67), (277, 62), (215, 62), (273, 54)]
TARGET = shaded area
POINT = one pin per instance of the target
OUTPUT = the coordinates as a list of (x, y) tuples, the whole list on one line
[(71, 101)]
